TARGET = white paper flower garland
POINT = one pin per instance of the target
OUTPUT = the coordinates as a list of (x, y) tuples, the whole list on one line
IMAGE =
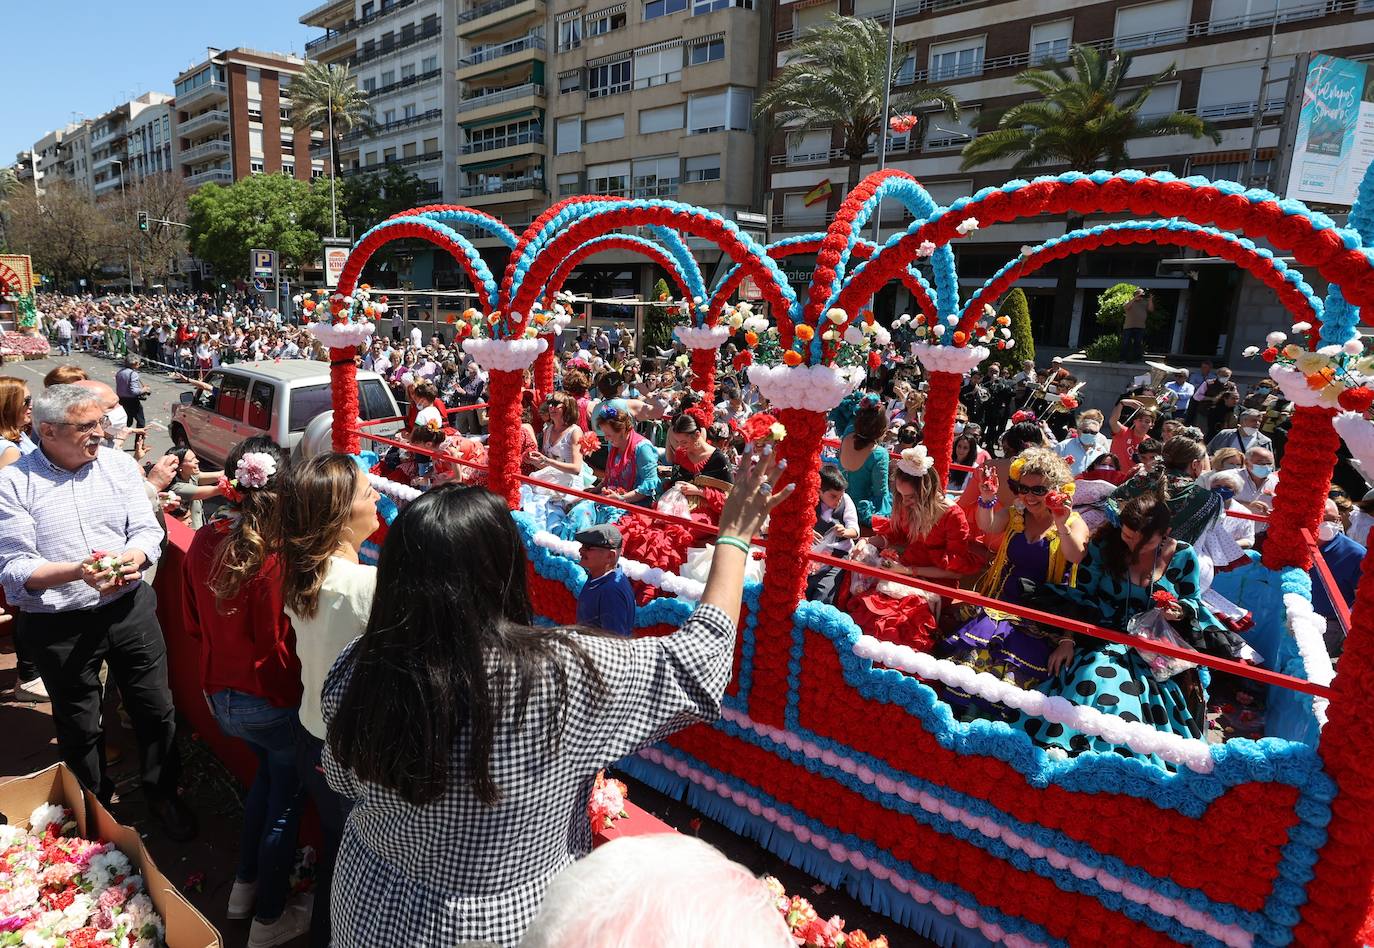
[(806, 387), (504, 355)]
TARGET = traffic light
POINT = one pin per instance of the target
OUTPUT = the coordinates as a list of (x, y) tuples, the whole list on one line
[(143, 221)]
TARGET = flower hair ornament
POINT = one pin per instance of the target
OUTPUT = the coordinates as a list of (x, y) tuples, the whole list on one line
[(1021, 416), (1017, 464), (253, 472), (915, 461), (612, 409)]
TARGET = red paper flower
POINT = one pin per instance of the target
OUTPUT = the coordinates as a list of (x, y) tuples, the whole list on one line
[(1164, 599), (1270, 354), (1068, 401), (758, 427), (590, 443), (742, 360), (1357, 399)]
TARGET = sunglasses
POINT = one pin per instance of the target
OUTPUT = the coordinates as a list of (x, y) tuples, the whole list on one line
[(1018, 488)]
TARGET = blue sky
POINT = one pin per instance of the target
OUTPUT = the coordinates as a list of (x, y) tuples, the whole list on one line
[(60, 57)]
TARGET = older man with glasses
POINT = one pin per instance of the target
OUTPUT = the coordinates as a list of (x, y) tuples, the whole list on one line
[(79, 533)]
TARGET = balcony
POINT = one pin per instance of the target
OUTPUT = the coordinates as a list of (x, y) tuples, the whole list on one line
[(331, 42), (480, 61), (422, 79), (213, 148), (351, 27), (505, 141), (805, 219), (204, 122), (211, 90), (427, 158), (505, 191), (404, 41), (210, 176), (338, 8), (484, 16)]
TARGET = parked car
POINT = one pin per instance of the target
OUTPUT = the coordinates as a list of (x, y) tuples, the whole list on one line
[(277, 399)]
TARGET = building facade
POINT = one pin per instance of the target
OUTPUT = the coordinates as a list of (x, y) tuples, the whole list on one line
[(151, 142), (508, 105), (1221, 48), (233, 119)]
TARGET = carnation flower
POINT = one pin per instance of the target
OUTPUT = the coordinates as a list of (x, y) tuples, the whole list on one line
[(926, 249), (1251, 351), (968, 226), (837, 316), (254, 470)]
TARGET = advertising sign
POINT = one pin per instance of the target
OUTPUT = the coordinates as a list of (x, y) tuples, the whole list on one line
[(1335, 135), (335, 255)]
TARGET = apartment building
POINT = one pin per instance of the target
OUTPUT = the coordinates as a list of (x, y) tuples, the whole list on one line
[(108, 141), (48, 152), (233, 119), (76, 155), (976, 49), (151, 141)]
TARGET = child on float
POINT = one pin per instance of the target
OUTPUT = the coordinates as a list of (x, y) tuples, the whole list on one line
[(836, 529), (1042, 539), (1131, 557), (927, 537), (862, 457)]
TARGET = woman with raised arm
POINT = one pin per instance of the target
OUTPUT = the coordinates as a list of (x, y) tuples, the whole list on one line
[(470, 740)]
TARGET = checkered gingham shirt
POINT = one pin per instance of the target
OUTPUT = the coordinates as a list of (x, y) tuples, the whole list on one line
[(459, 871), (51, 515)]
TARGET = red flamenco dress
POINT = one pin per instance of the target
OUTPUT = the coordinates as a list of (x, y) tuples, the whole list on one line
[(909, 620), (664, 543)]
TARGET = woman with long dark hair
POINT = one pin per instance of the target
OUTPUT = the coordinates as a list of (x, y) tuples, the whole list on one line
[(329, 508), (470, 740), (252, 679), (864, 460)]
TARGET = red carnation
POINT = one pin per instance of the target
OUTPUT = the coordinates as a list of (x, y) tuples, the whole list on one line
[(875, 359), (1056, 501), (1068, 402), (1163, 599), (1357, 399), (1270, 354), (589, 443), (758, 427), (742, 359)]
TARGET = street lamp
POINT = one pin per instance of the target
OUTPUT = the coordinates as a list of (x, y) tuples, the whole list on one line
[(887, 100), (123, 200)]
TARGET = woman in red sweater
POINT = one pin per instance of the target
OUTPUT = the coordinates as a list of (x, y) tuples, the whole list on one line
[(252, 679)]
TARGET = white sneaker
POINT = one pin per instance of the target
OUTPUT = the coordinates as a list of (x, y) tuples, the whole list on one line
[(31, 692), (294, 922), (241, 898)]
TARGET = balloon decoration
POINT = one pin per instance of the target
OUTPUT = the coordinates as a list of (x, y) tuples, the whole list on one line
[(834, 751)]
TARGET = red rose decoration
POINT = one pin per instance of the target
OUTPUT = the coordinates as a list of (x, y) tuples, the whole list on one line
[(875, 360), (743, 359), (758, 427), (1270, 354), (590, 443), (1163, 599), (1356, 399), (1069, 402)]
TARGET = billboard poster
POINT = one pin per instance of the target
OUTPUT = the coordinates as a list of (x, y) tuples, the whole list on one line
[(334, 260), (1334, 143)]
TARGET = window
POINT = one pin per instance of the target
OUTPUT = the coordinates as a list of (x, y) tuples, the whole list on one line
[(376, 404), (388, 116), (370, 85), (810, 18), (611, 178), (608, 79), (255, 166), (808, 147), (1152, 24), (307, 402), (1232, 90), (657, 8), (408, 111), (287, 145), (603, 21), (570, 33), (656, 177), (715, 111), (429, 64), (254, 114), (1231, 170), (389, 77), (370, 158), (367, 9), (567, 184), (604, 129), (664, 119), (707, 52), (284, 114), (1049, 42), (502, 136), (956, 59), (658, 67), (253, 74), (865, 9), (408, 150), (231, 396), (431, 146), (568, 136), (1162, 100), (570, 81), (702, 168), (288, 170), (388, 39), (408, 71), (388, 155), (700, 7), (944, 132), (1244, 14)]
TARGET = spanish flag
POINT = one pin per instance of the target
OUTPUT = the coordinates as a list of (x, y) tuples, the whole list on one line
[(819, 193)]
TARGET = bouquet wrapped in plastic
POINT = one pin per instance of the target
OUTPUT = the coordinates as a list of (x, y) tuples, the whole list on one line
[(1153, 625)]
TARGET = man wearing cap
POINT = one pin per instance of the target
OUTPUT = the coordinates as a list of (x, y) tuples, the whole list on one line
[(606, 601), (1244, 436)]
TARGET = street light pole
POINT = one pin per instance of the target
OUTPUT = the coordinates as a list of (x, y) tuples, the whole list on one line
[(125, 202), (887, 103), (333, 206)]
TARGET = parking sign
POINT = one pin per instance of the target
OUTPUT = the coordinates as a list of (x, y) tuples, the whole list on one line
[(263, 264)]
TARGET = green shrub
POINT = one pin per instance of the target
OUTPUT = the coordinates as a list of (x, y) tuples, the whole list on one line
[(1105, 348), (1015, 305)]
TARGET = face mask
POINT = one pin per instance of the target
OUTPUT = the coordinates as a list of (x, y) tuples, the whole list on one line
[(1262, 470), (1225, 493), (958, 427), (1087, 438), (1327, 530), (118, 420)]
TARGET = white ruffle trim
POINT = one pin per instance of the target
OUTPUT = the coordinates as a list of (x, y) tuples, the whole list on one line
[(504, 355), (805, 387), (702, 337), (341, 335), (1309, 634), (1358, 436), (957, 360)]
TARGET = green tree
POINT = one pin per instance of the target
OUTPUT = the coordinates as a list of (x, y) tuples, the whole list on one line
[(264, 211), (68, 235), (659, 320), (9, 183), (1082, 117), (323, 90), (1017, 307), (834, 79)]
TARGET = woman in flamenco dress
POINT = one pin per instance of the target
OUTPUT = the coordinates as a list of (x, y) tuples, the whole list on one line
[(631, 472), (1132, 560), (927, 537), (1042, 540)]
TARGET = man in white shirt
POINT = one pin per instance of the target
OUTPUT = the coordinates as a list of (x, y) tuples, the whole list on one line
[(62, 328), (416, 337), (1259, 483), (1088, 445), (1182, 390)]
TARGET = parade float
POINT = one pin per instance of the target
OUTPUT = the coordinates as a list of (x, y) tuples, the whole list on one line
[(834, 750), (23, 339)]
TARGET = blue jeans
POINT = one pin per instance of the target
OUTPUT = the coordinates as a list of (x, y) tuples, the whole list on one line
[(272, 810)]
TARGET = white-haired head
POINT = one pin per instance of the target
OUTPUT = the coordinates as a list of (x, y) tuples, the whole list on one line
[(55, 403), (680, 890), (1231, 479)]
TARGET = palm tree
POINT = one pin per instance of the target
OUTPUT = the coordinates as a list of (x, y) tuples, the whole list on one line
[(320, 86), (9, 183), (1082, 118), (836, 78)]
